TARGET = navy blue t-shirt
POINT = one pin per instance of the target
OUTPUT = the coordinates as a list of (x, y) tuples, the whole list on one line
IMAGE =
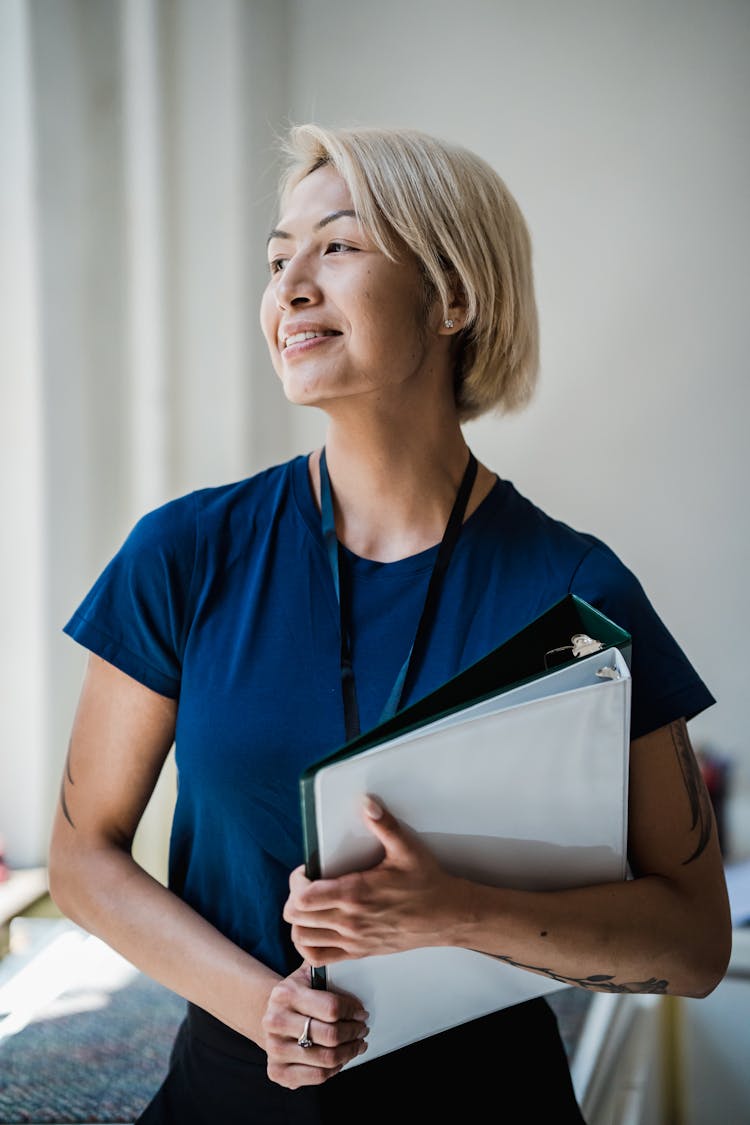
[(223, 599)]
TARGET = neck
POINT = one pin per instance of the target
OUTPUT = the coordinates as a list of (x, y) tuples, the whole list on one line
[(394, 483)]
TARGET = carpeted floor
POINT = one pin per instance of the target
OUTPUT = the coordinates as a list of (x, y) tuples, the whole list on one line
[(105, 1065), (97, 1049), (100, 1065)]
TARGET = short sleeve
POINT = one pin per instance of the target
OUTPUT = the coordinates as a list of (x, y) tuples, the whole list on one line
[(135, 615), (665, 685)]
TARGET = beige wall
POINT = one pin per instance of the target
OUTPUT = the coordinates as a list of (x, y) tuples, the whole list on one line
[(622, 131)]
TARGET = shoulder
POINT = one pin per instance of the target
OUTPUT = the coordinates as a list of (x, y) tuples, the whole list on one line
[(583, 563), (182, 521), (554, 545), (563, 559), (138, 613)]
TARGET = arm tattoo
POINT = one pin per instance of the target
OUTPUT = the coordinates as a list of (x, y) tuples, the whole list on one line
[(67, 777), (702, 821), (700, 802), (597, 982), (700, 810)]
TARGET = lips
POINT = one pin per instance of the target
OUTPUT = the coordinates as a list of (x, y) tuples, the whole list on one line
[(301, 334)]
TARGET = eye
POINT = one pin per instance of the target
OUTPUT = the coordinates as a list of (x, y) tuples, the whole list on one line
[(276, 265), (339, 247)]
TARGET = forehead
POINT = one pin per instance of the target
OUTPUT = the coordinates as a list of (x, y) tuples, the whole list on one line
[(319, 194)]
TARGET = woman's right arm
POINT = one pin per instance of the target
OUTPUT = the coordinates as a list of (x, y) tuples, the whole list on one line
[(122, 733)]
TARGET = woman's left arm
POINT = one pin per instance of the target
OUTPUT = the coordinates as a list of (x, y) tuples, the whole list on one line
[(667, 929)]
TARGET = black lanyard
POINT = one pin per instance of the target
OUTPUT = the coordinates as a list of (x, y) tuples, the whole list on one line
[(342, 584)]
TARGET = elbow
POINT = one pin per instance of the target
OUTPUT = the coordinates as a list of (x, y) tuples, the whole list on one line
[(713, 973), (704, 984), (709, 965), (69, 880), (84, 877), (62, 883)]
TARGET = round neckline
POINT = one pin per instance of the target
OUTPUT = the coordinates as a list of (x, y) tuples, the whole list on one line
[(411, 564)]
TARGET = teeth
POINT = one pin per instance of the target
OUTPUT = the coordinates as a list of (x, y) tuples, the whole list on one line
[(299, 336)]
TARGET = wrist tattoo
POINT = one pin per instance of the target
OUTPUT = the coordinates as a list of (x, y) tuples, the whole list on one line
[(597, 982)]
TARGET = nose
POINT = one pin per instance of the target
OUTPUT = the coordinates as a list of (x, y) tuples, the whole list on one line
[(296, 284)]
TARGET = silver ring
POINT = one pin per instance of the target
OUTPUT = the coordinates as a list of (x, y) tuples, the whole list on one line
[(304, 1039)]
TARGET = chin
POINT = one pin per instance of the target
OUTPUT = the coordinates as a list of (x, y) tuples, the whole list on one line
[(310, 393), (302, 396)]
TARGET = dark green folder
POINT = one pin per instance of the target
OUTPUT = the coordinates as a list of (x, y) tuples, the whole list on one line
[(543, 646)]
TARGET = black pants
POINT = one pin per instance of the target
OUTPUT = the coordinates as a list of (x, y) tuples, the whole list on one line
[(509, 1066)]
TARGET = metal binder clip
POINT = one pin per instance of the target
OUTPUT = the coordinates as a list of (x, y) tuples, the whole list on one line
[(584, 645), (608, 673), (581, 645)]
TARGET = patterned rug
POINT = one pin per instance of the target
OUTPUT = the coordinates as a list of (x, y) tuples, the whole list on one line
[(97, 1048), (101, 1065)]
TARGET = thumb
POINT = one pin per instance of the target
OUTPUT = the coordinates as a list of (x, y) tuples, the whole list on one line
[(372, 807), (394, 837)]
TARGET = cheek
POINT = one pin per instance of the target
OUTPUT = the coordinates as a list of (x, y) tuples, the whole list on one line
[(269, 319)]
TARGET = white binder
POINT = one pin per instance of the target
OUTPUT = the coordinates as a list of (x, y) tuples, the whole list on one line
[(526, 788)]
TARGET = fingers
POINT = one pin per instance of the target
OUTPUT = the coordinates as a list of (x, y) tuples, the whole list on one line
[(310, 1034), (293, 1066), (317, 900), (293, 999), (323, 1033), (322, 951), (399, 843), (402, 850), (298, 881), (313, 1065)]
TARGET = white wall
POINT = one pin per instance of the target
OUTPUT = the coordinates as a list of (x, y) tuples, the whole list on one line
[(622, 131), (139, 187), (22, 610), (137, 138)]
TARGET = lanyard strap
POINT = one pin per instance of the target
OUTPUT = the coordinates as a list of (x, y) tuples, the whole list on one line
[(342, 585)]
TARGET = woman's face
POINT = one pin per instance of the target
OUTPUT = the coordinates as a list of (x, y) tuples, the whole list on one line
[(366, 312)]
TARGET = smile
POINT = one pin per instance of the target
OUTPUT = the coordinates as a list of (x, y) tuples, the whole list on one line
[(300, 337)]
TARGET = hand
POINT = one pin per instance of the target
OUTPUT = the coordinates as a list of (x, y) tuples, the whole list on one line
[(403, 902), (337, 1030)]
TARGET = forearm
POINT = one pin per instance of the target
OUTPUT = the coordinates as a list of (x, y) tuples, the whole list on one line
[(109, 895), (642, 935), (668, 930)]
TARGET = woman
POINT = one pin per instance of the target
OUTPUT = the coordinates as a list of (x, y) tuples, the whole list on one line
[(400, 301)]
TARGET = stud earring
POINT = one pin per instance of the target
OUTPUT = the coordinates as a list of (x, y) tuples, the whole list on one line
[(448, 323)]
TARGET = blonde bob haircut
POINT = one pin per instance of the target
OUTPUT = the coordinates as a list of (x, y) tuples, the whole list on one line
[(455, 214)]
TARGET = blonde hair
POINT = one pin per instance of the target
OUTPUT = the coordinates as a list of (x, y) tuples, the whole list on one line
[(455, 214)]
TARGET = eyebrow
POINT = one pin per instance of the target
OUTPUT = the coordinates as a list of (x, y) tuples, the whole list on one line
[(334, 215)]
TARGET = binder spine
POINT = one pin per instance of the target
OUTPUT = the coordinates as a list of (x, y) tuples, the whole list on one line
[(312, 855), (309, 827)]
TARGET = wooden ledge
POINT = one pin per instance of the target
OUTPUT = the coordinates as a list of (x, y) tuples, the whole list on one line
[(21, 890)]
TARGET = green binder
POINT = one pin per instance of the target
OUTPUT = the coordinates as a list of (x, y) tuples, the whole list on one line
[(541, 647), (514, 772)]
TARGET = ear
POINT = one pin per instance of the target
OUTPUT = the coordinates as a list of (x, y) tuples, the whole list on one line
[(453, 319)]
